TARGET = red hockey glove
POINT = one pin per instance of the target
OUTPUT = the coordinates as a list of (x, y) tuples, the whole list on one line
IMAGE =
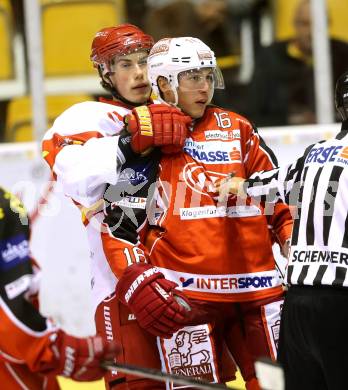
[(80, 358), (152, 299), (157, 125)]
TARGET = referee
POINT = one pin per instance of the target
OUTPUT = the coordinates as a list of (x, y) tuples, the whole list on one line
[(313, 344)]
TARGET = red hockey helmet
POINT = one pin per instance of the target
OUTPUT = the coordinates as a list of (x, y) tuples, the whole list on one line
[(120, 40)]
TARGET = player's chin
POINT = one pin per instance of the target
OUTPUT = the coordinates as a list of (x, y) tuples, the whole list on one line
[(197, 110), (140, 95)]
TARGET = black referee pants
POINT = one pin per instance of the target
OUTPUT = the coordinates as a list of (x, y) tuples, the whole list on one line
[(313, 342)]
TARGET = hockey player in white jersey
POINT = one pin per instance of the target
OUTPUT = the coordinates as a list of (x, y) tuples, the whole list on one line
[(84, 147)]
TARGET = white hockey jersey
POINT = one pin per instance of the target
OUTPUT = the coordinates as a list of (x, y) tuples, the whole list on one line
[(82, 150)]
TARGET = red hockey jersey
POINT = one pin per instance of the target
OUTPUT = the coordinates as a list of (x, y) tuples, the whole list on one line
[(213, 251)]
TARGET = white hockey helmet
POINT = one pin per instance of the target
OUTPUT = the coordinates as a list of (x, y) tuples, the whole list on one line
[(171, 56)]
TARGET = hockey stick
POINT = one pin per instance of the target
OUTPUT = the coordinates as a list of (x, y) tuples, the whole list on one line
[(158, 375)]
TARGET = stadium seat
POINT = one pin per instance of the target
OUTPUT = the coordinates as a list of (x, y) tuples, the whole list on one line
[(68, 29), (6, 69), (19, 115), (12, 63), (283, 11), (338, 11)]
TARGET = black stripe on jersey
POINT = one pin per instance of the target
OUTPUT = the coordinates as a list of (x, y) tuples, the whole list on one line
[(303, 274), (345, 236), (297, 169), (266, 180), (254, 183), (289, 173), (340, 276), (269, 151), (289, 273), (296, 227), (310, 217), (23, 310), (331, 192), (319, 276)]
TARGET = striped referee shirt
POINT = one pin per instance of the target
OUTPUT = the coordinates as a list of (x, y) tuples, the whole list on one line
[(317, 184)]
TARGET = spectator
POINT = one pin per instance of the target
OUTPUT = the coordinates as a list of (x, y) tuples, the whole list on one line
[(282, 88), (209, 21)]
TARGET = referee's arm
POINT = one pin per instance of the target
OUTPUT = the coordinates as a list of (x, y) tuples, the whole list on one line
[(278, 184)]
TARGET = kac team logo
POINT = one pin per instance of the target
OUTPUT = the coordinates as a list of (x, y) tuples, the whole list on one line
[(200, 180)]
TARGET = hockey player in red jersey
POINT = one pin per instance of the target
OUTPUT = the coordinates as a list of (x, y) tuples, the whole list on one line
[(88, 151), (172, 229), (32, 349)]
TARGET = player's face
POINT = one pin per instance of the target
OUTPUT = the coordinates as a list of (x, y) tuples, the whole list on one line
[(129, 76), (196, 88)]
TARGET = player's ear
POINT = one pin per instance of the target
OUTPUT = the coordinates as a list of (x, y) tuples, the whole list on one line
[(165, 89), (163, 84)]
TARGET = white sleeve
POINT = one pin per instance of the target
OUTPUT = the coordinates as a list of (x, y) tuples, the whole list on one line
[(84, 171), (90, 157)]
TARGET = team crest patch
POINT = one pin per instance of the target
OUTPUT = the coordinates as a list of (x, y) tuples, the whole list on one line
[(271, 320), (190, 352)]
